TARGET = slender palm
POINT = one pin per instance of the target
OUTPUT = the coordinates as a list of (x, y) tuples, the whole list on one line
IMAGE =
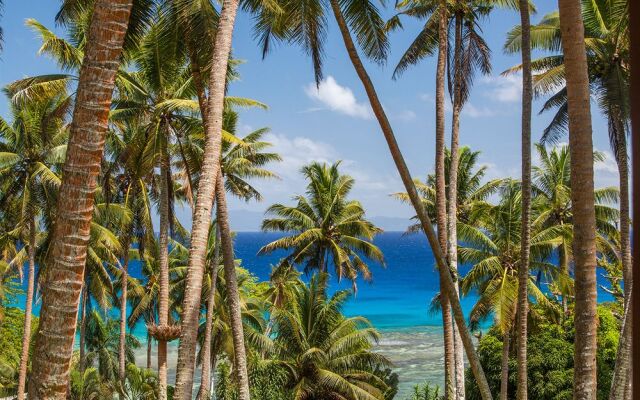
[(32, 149), (325, 227), (583, 200), (61, 287), (326, 355), (307, 26)]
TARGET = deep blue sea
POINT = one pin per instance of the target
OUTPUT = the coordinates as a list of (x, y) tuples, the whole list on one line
[(396, 302)]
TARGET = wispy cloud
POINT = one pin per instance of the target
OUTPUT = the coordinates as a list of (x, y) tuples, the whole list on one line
[(505, 89), (477, 112), (338, 98)]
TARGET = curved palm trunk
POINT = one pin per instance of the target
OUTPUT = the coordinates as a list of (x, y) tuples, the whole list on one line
[(83, 329), (123, 313), (621, 380), (163, 300), (149, 339), (452, 211), (235, 312), (446, 280), (504, 367), (525, 237), (204, 392), (63, 281), (204, 200), (584, 226), (26, 334)]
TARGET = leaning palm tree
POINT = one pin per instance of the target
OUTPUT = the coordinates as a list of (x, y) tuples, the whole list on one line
[(583, 200), (324, 227), (61, 287), (33, 146), (493, 250), (326, 355), (307, 26)]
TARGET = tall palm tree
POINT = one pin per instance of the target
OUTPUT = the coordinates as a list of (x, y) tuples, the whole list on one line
[(493, 250), (62, 285), (33, 147), (325, 354), (307, 26), (525, 237), (583, 200), (325, 227)]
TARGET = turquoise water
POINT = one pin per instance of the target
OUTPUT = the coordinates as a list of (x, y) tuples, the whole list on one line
[(396, 302)]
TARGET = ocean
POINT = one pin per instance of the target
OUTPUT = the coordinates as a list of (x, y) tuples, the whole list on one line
[(396, 301)]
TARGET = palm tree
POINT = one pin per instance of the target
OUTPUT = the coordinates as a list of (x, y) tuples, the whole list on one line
[(493, 250), (525, 237), (62, 285), (32, 147), (325, 227), (140, 383), (583, 200), (326, 355), (307, 26)]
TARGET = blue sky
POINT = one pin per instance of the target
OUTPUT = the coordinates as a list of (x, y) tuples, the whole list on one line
[(335, 123)]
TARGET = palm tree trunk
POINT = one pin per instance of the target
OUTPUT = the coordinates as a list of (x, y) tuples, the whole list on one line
[(452, 211), (83, 330), (123, 312), (634, 14), (525, 237), (564, 269), (504, 364), (235, 312), (446, 280), (64, 278), (204, 393), (584, 226), (204, 200), (621, 380), (26, 334), (163, 300), (149, 342)]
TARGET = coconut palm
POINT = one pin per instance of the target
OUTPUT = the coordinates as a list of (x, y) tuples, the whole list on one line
[(61, 287), (493, 250), (307, 26), (325, 227), (326, 355), (140, 383), (33, 147)]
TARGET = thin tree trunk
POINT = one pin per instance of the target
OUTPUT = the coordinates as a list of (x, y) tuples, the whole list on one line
[(26, 334), (504, 367), (163, 300), (204, 392), (149, 339), (447, 284), (62, 284), (123, 312), (452, 211), (235, 311), (525, 237), (564, 269), (634, 33), (621, 380), (204, 200), (584, 226), (83, 330)]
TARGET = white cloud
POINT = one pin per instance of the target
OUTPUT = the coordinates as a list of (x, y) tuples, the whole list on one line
[(429, 98), (505, 89), (338, 98), (406, 115), (476, 112), (606, 172)]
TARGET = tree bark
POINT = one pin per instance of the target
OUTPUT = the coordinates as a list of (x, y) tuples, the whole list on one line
[(26, 334), (123, 312), (621, 379), (504, 364), (204, 200), (564, 268), (446, 280), (204, 392), (452, 211), (62, 284), (149, 339), (584, 226), (235, 310), (163, 300), (83, 329), (525, 236)]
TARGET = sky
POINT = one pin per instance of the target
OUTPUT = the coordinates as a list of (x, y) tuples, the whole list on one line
[(334, 122)]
